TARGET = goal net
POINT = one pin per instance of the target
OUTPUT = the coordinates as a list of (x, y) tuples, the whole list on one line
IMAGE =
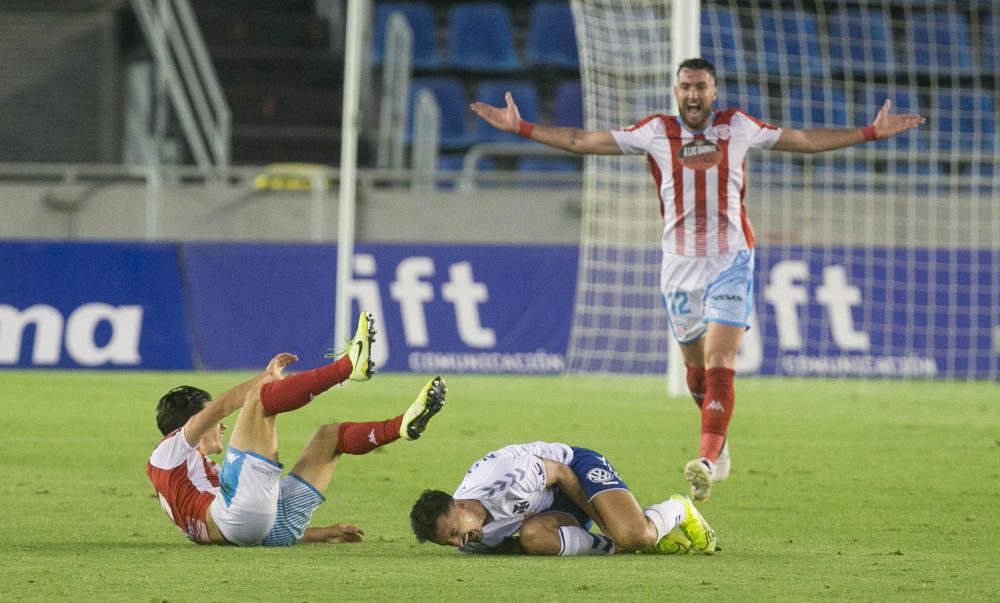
[(879, 260)]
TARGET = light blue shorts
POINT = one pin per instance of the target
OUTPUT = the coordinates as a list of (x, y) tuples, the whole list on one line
[(296, 503), (256, 507), (700, 290), (245, 506)]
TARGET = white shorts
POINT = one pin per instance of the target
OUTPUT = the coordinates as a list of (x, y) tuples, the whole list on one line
[(700, 290), (247, 502)]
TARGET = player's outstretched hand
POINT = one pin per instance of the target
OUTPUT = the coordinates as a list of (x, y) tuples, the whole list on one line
[(278, 364), (506, 119), (336, 534), (888, 125)]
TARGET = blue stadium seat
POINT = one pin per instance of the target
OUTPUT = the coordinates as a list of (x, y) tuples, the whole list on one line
[(816, 107), (789, 40), (904, 100), (420, 16), (541, 165), (744, 95), (569, 105), (480, 38), (965, 120), (492, 92), (722, 41), (860, 41), (939, 42), (552, 37), (454, 110), (991, 42)]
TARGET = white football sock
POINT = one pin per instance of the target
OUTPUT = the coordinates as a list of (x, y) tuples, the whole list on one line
[(665, 516), (577, 541)]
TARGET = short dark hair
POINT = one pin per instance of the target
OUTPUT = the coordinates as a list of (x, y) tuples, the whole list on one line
[(178, 405), (697, 64), (431, 505)]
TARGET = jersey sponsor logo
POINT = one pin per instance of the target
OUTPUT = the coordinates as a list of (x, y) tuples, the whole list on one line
[(735, 298), (602, 476), (700, 154)]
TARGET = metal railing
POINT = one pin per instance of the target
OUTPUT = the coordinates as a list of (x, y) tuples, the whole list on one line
[(188, 77)]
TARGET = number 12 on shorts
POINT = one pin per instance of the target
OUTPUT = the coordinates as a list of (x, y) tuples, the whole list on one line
[(678, 301)]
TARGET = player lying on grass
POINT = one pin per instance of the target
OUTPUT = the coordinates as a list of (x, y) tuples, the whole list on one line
[(541, 498), (246, 503)]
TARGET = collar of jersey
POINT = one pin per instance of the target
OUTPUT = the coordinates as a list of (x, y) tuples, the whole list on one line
[(711, 122)]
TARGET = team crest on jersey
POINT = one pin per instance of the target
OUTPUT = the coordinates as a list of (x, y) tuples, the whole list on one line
[(723, 132), (700, 154), (602, 476)]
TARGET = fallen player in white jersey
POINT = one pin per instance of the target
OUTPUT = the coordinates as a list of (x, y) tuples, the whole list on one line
[(542, 498)]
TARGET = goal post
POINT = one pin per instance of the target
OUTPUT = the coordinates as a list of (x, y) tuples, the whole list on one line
[(877, 260)]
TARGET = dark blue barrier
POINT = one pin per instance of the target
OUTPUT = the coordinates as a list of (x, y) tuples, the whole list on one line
[(91, 305), (878, 312), (439, 308), (485, 309)]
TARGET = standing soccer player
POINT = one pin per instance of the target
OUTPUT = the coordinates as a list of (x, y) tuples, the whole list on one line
[(246, 502), (697, 161)]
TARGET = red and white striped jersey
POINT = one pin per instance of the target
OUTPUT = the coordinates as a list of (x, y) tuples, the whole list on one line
[(700, 177), (186, 482)]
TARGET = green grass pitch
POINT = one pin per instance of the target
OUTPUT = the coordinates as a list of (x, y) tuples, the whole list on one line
[(840, 491)]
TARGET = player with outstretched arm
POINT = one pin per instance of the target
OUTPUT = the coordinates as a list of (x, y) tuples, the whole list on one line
[(541, 498), (697, 161), (246, 502)]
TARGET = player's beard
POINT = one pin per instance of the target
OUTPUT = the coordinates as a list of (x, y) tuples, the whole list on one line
[(696, 118)]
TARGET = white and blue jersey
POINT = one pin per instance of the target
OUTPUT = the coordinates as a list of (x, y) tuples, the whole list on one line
[(510, 482)]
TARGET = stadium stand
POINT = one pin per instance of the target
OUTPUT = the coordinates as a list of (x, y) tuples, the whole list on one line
[(480, 38), (904, 100), (789, 41), (745, 96), (551, 36), (721, 40), (816, 106), (420, 17), (450, 95), (860, 41), (568, 105), (492, 92), (966, 120), (939, 43)]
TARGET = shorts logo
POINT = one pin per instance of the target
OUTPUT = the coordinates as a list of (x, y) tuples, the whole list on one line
[(602, 476), (520, 507)]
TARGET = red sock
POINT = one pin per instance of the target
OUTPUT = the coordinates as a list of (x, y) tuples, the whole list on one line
[(362, 438), (717, 410), (696, 383), (295, 391)]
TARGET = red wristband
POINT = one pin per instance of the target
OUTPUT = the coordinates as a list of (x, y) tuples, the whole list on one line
[(869, 133), (524, 128)]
